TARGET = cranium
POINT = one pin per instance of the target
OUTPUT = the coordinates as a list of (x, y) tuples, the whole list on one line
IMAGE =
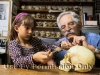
[(36, 33), (58, 34), (48, 34), (43, 16), (42, 33), (33, 15), (39, 24), (43, 7), (52, 34), (53, 16), (38, 15), (45, 24), (78, 58), (29, 7), (54, 8), (23, 7), (49, 16), (36, 7), (49, 24), (48, 7)]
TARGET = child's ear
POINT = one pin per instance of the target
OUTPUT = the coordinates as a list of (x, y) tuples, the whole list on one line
[(16, 28)]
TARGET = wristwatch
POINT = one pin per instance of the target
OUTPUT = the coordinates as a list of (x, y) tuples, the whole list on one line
[(97, 50)]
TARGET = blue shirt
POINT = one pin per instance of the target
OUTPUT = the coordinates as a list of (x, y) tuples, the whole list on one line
[(92, 38)]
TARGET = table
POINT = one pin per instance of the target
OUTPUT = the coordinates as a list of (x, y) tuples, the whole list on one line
[(19, 71)]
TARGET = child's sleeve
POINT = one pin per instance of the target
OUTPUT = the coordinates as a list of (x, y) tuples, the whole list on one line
[(18, 59)]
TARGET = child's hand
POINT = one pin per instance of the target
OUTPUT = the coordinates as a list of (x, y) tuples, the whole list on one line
[(42, 57), (51, 63)]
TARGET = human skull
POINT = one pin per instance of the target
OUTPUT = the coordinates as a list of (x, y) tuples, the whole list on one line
[(45, 24), (38, 15), (48, 7), (54, 8), (23, 7), (52, 34), (39, 24), (42, 7), (43, 16), (77, 8), (49, 16), (78, 58), (36, 33), (36, 7), (49, 24), (58, 34), (33, 15), (60, 8), (48, 34), (53, 16), (54, 24), (29, 7), (42, 33)]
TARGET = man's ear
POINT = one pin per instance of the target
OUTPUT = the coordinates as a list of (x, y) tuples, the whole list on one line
[(16, 28)]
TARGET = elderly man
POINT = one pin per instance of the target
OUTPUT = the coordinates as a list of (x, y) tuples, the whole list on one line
[(70, 25)]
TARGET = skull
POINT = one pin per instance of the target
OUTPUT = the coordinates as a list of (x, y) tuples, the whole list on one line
[(49, 16), (48, 34), (54, 8), (53, 16), (36, 7), (38, 15), (49, 24), (45, 24), (58, 34), (39, 24), (78, 58), (29, 7), (77, 8), (60, 8), (42, 33), (43, 16), (23, 7), (48, 7), (33, 15), (36, 33), (52, 34), (54, 24), (43, 7)]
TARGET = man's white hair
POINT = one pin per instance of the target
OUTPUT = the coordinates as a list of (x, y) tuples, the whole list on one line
[(75, 17)]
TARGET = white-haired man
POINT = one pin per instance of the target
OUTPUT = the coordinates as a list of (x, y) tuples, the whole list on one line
[(70, 25)]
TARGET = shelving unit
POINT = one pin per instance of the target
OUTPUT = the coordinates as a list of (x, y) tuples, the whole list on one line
[(35, 7)]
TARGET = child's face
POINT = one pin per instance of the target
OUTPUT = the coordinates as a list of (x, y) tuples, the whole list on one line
[(25, 32)]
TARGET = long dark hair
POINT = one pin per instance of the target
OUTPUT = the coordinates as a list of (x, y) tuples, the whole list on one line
[(28, 20)]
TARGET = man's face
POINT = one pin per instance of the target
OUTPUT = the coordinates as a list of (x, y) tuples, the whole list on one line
[(68, 24)]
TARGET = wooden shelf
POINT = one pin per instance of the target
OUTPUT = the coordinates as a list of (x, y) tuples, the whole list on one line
[(57, 3), (33, 11), (48, 27), (45, 19)]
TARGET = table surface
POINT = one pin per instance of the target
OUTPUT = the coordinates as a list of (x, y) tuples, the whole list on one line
[(18, 71)]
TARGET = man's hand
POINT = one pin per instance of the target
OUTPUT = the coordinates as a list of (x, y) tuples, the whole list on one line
[(81, 40), (65, 45)]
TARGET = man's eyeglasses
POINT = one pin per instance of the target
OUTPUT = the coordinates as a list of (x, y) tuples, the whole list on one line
[(68, 24)]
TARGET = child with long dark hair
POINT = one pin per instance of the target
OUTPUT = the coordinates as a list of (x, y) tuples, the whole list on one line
[(24, 49)]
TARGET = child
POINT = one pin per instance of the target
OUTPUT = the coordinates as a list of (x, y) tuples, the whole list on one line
[(25, 50)]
